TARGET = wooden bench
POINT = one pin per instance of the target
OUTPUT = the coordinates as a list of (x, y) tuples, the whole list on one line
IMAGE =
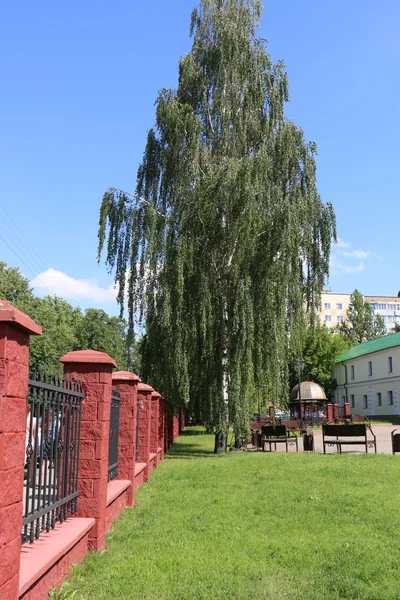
[(339, 435), (277, 434), (255, 430), (294, 425)]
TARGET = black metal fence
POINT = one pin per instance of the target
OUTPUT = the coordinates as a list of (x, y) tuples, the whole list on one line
[(53, 424), (114, 435)]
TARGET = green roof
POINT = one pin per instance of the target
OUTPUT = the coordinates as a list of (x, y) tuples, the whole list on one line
[(381, 343)]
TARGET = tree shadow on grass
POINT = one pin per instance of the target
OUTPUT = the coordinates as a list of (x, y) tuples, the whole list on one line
[(196, 448)]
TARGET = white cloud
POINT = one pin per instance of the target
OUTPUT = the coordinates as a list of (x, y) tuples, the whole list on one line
[(343, 256), (341, 243), (361, 254), (68, 287), (354, 269)]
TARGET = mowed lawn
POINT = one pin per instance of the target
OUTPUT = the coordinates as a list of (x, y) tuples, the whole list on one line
[(253, 526)]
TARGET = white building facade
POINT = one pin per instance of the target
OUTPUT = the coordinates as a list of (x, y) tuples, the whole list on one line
[(368, 377)]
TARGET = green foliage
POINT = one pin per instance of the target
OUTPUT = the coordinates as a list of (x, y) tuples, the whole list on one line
[(98, 331), (320, 350), (226, 238), (64, 327), (361, 325), (253, 526), (14, 287), (60, 322)]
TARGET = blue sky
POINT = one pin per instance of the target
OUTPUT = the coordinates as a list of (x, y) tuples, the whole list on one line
[(79, 80)]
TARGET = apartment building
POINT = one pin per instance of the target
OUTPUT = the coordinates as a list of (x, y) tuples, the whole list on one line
[(386, 306), (334, 307), (368, 377)]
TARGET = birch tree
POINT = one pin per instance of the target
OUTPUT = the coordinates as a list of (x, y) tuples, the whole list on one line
[(225, 240)]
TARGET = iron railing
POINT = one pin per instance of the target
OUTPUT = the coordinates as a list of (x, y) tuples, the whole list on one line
[(114, 435), (52, 447)]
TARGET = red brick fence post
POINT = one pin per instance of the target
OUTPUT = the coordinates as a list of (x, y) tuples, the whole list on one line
[(127, 384), (161, 427), (94, 369), (335, 411), (144, 395), (155, 411), (15, 329)]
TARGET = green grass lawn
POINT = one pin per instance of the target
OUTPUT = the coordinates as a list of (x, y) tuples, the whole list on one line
[(253, 526)]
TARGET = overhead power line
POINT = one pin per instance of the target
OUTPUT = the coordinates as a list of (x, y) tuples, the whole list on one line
[(37, 265), (24, 263)]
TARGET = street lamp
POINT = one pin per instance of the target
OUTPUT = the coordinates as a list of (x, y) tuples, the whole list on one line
[(298, 365)]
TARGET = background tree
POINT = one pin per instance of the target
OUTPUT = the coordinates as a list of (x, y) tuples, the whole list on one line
[(396, 327), (320, 350), (226, 237), (14, 287), (60, 322), (64, 326), (361, 324), (98, 331)]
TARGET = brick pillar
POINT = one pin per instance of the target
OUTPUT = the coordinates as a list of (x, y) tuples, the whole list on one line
[(155, 410), (127, 384), (181, 420), (271, 412), (15, 329), (175, 427), (335, 411), (329, 413), (161, 426), (347, 410), (166, 428), (170, 426), (144, 396), (94, 370)]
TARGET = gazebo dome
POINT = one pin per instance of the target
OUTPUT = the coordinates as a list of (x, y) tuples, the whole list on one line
[(309, 391)]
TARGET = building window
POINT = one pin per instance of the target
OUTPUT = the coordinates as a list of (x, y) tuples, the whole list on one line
[(370, 368), (343, 400), (352, 372), (352, 403), (339, 319), (365, 401), (390, 364), (339, 306), (390, 398), (327, 306), (328, 318), (379, 399)]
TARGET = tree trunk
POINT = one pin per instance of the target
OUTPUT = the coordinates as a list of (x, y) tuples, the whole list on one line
[(221, 442), (221, 435)]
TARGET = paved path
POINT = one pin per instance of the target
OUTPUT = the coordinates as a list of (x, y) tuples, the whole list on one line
[(383, 442)]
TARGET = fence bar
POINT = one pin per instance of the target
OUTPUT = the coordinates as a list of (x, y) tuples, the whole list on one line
[(114, 435), (52, 452)]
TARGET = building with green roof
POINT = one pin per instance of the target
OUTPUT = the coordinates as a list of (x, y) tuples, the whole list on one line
[(368, 377)]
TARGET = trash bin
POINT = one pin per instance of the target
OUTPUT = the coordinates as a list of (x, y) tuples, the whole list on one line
[(395, 441), (308, 442)]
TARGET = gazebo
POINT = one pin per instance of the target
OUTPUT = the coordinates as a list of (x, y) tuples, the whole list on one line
[(307, 401)]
